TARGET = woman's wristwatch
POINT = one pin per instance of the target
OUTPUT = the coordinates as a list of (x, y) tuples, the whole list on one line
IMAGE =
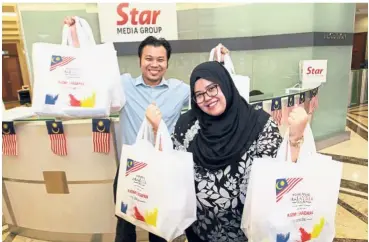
[(297, 143)]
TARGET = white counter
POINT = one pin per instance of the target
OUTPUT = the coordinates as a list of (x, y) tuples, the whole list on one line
[(86, 205)]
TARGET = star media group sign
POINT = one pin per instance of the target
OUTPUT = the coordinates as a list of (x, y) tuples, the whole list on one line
[(313, 72), (128, 22)]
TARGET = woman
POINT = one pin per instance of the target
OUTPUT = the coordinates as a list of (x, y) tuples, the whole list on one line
[(225, 134)]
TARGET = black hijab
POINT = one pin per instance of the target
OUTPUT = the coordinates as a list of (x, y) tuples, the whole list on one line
[(222, 140)]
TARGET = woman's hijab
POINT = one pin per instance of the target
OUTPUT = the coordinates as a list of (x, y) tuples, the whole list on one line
[(223, 140)]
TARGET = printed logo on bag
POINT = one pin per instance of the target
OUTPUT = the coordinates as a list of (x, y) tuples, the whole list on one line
[(283, 237), (73, 91), (150, 217), (139, 181), (133, 166), (57, 60), (123, 207), (317, 229), (284, 186), (88, 102), (303, 234)]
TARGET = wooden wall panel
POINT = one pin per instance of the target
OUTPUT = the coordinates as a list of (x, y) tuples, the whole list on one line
[(11, 33)]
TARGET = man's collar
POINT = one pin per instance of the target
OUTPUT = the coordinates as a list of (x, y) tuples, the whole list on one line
[(140, 81)]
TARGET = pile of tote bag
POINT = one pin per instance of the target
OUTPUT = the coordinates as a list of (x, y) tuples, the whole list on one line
[(76, 82)]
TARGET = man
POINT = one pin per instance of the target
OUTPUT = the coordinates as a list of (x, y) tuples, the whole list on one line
[(170, 96), (148, 92)]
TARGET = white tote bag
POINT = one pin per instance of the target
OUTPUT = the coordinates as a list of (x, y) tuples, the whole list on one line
[(156, 189), (86, 38), (74, 82), (289, 201), (242, 83)]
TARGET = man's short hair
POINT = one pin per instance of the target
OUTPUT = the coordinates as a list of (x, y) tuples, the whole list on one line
[(151, 40)]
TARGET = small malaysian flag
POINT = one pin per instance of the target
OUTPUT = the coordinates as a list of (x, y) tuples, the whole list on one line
[(9, 139), (313, 100), (277, 110), (302, 100), (284, 186), (101, 135), (257, 106), (133, 166), (57, 137), (290, 103), (57, 60)]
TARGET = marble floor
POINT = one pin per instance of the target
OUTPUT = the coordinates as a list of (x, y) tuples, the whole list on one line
[(352, 206)]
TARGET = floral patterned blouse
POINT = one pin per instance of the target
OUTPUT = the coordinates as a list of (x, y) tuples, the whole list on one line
[(221, 194)]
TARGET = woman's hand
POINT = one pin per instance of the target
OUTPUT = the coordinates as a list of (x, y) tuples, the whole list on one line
[(70, 21), (223, 51), (154, 116), (297, 122)]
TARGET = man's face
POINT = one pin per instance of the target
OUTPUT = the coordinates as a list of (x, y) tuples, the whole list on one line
[(154, 63)]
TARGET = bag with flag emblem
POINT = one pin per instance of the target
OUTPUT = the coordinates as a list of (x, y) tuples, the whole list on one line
[(155, 188), (288, 201), (76, 82)]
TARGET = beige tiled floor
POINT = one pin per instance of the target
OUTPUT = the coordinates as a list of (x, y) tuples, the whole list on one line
[(355, 147), (352, 215), (352, 209), (354, 172), (358, 203), (350, 227)]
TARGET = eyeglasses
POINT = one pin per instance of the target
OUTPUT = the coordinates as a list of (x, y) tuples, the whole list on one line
[(211, 91)]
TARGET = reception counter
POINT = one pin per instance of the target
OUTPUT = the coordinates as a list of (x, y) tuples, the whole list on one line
[(69, 198)]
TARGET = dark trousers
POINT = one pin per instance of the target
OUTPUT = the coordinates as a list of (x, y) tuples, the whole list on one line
[(191, 236), (125, 231)]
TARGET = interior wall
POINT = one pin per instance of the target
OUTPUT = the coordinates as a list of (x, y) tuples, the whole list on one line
[(270, 70)]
